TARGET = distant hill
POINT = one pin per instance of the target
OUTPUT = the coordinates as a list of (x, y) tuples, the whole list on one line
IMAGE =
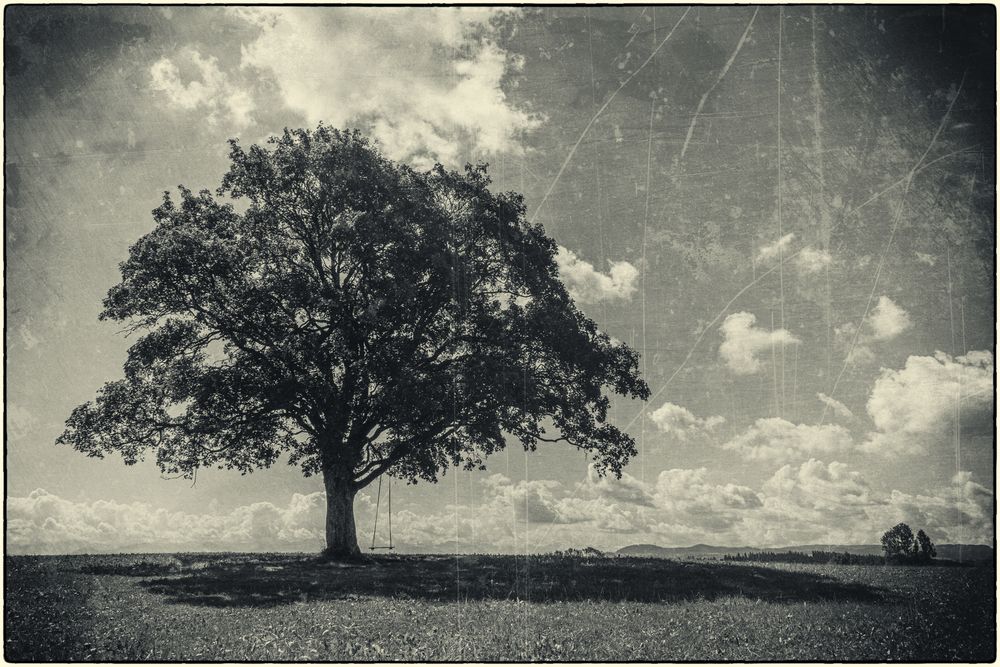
[(964, 552), (957, 552)]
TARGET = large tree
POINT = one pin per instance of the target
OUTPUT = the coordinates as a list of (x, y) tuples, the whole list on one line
[(359, 316), (899, 544)]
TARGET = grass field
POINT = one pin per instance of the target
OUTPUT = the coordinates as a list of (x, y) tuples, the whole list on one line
[(278, 607)]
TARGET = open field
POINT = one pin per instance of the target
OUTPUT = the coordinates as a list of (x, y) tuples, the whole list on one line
[(293, 607)]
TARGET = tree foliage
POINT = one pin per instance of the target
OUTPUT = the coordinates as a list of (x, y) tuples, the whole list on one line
[(358, 316), (901, 546), (927, 550)]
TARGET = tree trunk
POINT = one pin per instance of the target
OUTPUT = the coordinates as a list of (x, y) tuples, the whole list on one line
[(341, 533)]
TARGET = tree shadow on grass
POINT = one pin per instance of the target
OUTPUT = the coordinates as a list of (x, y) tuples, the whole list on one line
[(273, 580)]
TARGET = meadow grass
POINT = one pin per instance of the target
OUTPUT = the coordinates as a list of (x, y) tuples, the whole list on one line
[(282, 607)]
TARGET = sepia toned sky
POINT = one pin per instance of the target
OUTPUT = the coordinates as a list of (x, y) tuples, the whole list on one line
[(787, 211)]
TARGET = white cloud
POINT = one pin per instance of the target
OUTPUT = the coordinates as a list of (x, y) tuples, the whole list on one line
[(742, 342), (45, 523), (838, 408), (959, 513), (679, 503), (687, 491), (692, 509), (810, 260), (207, 88), (532, 501), (915, 409), (775, 439), (885, 322), (776, 249), (627, 489), (418, 78), (813, 503), (809, 503), (888, 320), (681, 423), (588, 285), (818, 486), (820, 503), (817, 502)]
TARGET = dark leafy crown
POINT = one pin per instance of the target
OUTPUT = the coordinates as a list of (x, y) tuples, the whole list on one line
[(359, 315)]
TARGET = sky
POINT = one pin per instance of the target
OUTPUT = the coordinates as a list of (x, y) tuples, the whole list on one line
[(788, 212)]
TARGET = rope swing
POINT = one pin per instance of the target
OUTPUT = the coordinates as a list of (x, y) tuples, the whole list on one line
[(378, 500)]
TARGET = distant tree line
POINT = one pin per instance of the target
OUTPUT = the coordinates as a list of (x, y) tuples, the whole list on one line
[(899, 545), (586, 552), (828, 557)]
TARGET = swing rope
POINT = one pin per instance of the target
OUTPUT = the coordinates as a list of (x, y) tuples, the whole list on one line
[(378, 502)]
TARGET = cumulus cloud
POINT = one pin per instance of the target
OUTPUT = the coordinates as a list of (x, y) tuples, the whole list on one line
[(828, 503), (684, 500), (818, 502), (743, 341), (688, 490), (820, 486), (808, 260), (533, 501), (885, 322), (626, 489), (43, 522), (916, 408), (776, 249), (812, 502), (805, 503), (775, 439), (811, 260), (426, 82), (191, 81), (961, 512), (681, 423), (838, 408), (588, 285), (888, 320), (680, 502), (506, 516), (693, 509)]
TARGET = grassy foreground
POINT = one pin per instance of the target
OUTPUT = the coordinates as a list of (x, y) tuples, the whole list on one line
[(279, 607)]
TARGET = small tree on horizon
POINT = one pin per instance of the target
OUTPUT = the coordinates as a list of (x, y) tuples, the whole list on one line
[(927, 550), (359, 317), (899, 544)]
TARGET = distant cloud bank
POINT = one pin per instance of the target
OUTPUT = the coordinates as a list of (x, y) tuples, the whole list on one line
[(808, 502)]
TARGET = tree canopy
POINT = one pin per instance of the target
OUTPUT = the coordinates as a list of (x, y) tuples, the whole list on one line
[(927, 550), (900, 545), (359, 316)]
